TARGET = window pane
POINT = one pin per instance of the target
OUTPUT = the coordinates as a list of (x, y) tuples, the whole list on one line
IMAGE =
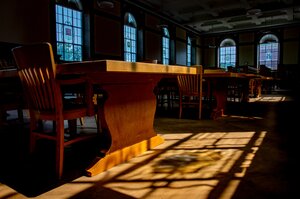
[(129, 42), (77, 53), (60, 50), (68, 48), (69, 33), (59, 34), (189, 50), (269, 53), (227, 56), (165, 46)]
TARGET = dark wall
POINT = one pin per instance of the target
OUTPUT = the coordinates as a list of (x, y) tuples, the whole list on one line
[(33, 21), (24, 21)]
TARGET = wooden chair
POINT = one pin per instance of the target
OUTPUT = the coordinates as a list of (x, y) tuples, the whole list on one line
[(166, 93), (190, 91), (37, 71), (234, 90)]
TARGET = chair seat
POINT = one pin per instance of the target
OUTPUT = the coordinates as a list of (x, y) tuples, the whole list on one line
[(190, 94)]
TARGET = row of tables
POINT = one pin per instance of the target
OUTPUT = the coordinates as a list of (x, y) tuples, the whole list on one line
[(220, 81), (128, 112)]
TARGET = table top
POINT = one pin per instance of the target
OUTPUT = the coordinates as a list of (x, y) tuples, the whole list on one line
[(219, 73), (100, 66)]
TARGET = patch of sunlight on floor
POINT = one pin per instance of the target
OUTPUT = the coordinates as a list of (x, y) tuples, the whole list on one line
[(270, 98), (190, 164), (194, 165)]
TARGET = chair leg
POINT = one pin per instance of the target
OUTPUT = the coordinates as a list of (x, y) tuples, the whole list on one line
[(101, 98), (20, 115), (72, 126), (200, 109), (180, 106), (98, 122), (200, 103), (59, 148), (34, 125), (81, 120)]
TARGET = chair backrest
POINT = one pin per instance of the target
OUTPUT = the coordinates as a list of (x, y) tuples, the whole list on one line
[(37, 71), (191, 84)]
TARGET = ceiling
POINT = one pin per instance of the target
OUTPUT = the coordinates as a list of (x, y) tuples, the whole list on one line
[(215, 16)]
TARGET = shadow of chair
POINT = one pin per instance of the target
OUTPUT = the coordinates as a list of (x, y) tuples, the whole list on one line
[(190, 91), (37, 72)]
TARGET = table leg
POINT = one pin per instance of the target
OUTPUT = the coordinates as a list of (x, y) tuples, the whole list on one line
[(219, 91), (128, 117)]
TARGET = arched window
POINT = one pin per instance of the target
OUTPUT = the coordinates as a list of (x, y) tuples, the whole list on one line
[(268, 51), (130, 38), (69, 30), (227, 53), (189, 52), (165, 46)]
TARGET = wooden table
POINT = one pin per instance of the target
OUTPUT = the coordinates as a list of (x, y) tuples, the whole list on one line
[(219, 81), (129, 110)]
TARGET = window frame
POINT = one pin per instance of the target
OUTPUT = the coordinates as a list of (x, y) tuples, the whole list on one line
[(68, 48), (165, 46), (269, 43), (188, 51), (227, 50), (130, 35)]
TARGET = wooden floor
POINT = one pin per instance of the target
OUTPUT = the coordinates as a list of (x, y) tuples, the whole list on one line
[(252, 152)]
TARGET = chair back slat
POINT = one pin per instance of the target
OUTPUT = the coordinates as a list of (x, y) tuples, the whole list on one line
[(29, 87), (190, 86), (37, 69)]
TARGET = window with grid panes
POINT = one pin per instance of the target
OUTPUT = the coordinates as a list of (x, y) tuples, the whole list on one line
[(268, 51), (227, 53), (68, 33), (166, 46), (189, 52), (130, 38)]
